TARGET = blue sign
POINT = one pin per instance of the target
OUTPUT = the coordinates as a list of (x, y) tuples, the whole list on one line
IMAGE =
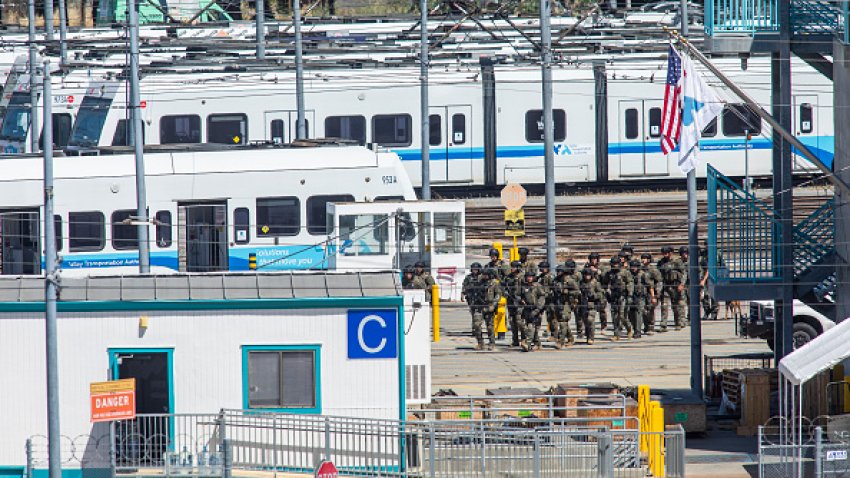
[(372, 334)]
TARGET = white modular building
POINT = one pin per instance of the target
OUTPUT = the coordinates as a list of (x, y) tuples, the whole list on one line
[(350, 345)]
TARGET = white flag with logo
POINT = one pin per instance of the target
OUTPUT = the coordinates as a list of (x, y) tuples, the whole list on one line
[(700, 105)]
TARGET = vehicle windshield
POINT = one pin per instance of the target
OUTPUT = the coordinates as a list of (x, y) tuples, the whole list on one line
[(16, 121), (90, 120)]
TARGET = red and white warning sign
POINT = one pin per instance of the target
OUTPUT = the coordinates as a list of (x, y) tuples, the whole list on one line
[(327, 469), (113, 400)]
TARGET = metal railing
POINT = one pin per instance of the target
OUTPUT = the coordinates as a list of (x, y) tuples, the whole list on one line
[(814, 237), (820, 454), (212, 445), (741, 16)]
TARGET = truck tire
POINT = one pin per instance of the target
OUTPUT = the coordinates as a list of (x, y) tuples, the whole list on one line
[(803, 334)]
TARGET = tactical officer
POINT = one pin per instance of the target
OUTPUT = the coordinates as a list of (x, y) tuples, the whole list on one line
[(627, 251), (472, 293), (571, 294), (421, 272), (589, 301), (411, 281), (512, 289), (619, 289), (656, 282), (600, 272), (709, 304), (565, 284), (679, 288), (533, 302), (492, 293), (641, 290), (664, 265), (527, 265), (547, 282), (497, 264)]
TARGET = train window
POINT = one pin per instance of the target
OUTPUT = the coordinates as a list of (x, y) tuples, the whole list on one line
[(391, 130), (459, 128), (277, 129), (534, 125), (89, 123), (124, 234), (740, 118), (632, 126), (180, 129), (655, 122), (57, 228), (241, 225), (389, 198), (317, 212), (227, 129), (85, 231), (61, 131), (346, 127), (806, 118), (122, 136), (710, 130), (278, 216), (163, 228), (435, 130)]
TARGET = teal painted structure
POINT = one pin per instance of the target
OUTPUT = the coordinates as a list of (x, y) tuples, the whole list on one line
[(317, 367)]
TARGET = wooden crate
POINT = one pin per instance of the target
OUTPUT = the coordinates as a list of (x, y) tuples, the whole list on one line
[(517, 403), (610, 408), (754, 401), (565, 406), (681, 407), (448, 409)]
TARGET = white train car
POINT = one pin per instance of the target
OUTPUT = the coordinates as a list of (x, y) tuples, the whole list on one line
[(210, 210), (483, 131)]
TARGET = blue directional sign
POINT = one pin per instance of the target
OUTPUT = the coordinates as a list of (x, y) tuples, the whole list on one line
[(372, 334)]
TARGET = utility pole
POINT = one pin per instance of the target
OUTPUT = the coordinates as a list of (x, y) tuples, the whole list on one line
[(138, 141), (32, 69), (423, 100), (683, 17), (48, 20), (54, 439), (548, 130), (260, 19), (63, 34), (300, 124)]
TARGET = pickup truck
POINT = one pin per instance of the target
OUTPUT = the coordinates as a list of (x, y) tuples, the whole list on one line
[(808, 322)]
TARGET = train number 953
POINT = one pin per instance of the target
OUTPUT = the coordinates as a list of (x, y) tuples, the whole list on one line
[(389, 179)]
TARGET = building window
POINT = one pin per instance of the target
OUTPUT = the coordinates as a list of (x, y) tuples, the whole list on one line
[(227, 129), (710, 129), (317, 212), (391, 130), (85, 231), (346, 127), (632, 123), (163, 228), (283, 377), (435, 130), (124, 234), (122, 136), (738, 119), (807, 116), (241, 225), (534, 125), (180, 129), (278, 216)]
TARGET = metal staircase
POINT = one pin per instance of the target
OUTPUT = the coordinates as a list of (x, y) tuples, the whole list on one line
[(814, 259)]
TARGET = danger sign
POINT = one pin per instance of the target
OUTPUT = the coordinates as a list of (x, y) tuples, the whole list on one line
[(114, 400)]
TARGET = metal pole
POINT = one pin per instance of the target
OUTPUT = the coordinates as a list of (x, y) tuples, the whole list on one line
[(423, 100), (747, 160), (53, 436), (683, 17), (32, 69), (818, 452), (138, 141), (260, 19), (301, 126), (693, 287), (48, 20), (548, 129), (63, 33)]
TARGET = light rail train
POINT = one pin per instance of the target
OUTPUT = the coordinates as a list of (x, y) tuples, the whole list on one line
[(210, 207)]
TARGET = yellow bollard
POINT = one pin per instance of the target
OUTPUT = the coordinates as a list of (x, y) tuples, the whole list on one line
[(657, 455), (498, 246), (643, 416), (500, 324), (435, 312)]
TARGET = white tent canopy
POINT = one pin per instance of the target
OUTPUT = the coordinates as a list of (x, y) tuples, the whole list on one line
[(822, 353)]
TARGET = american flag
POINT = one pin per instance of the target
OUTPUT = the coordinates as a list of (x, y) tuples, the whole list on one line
[(671, 116)]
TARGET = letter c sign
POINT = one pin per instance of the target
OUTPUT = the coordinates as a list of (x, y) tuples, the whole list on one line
[(372, 334)]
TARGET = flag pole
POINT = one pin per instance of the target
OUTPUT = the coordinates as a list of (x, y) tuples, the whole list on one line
[(757, 109)]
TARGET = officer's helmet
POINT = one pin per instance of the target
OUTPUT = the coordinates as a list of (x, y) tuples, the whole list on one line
[(634, 263), (593, 255), (475, 267), (494, 252), (419, 265), (683, 250), (615, 260), (627, 248), (666, 250), (646, 255), (570, 264), (523, 251), (408, 269), (587, 272), (516, 264), (530, 274), (560, 269), (543, 265)]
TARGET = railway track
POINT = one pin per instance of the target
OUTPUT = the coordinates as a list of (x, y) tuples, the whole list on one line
[(604, 224)]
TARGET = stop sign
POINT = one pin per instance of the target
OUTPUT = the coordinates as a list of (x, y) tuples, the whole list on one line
[(513, 196), (327, 469)]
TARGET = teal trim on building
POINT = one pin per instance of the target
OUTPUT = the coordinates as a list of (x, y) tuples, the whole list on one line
[(12, 471), (317, 374)]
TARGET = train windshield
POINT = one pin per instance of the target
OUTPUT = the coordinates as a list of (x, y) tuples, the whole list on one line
[(90, 120), (16, 122)]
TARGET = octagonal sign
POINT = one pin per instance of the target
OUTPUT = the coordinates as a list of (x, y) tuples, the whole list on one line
[(514, 196)]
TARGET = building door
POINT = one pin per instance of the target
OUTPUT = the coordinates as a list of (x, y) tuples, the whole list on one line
[(450, 141), (281, 125), (20, 253), (202, 237), (145, 440), (640, 136)]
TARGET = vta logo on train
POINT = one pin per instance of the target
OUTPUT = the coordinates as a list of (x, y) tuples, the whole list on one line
[(372, 334)]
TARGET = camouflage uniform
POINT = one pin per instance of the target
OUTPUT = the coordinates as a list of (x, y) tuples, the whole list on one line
[(638, 298), (511, 289), (709, 303), (472, 293), (600, 272), (533, 301), (547, 282), (502, 269), (678, 281), (665, 300), (590, 299), (492, 293), (564, 284), (656, 283), (619, 289), (422, 273)]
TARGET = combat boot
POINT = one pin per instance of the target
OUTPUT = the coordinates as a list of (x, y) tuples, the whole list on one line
[(479, 346), (491, 347), (616, 337), (571, 341), (589, 341), (524, 346), (629, 334), (559, 344)]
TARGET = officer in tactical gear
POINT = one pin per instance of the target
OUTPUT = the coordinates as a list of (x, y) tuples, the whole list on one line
[(547, 282), (512, 289), (627, 251), (564, 284), (600, 272), (472, 293), (533, 303), (709, 303), (589, 301), (492, 293), (665, 264), (412, 281), (641, 290), (497, 264), (619, 289), (572, 295), (527, 265), (681, 263), (656, 283), (422, 273)]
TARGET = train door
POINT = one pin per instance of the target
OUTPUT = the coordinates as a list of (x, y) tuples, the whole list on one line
[(640, 132), (805, 127), (202, 237), (451, 143), (20, 253), (281, 125)]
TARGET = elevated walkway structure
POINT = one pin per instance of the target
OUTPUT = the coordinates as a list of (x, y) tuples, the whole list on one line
[(744, 252)]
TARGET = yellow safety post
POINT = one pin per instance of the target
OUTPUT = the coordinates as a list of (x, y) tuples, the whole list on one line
[(656, 457), (500, 324), (514, 251), (498, 246), (435, 312), (643, 416)]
